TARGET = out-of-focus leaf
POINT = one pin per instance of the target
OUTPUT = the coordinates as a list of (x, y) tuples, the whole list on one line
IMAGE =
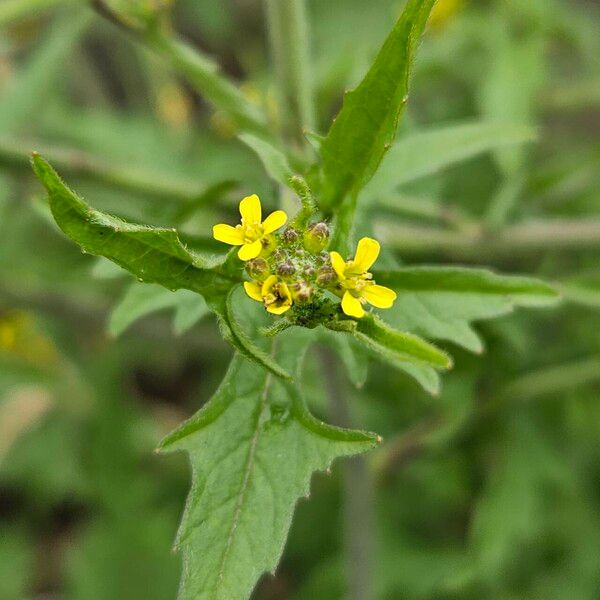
[(29, 90), (427, 152), (366, 126), (13, 10), (253, 449), (273, 160), (143, 299), (16, 562), (441, 302)]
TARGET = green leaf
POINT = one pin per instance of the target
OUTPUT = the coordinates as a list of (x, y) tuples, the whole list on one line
[(350, 354), (396, 347), (273, 160), (29, 91), (143, 299), (154, 255), (253, 449), (442, 302), (427, 152), (366, 125)]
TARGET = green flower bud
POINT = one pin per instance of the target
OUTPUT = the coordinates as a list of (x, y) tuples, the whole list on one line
[(316, 237), (257, 268), (290, 236), (302, 291), (286, 269), (326, 276)]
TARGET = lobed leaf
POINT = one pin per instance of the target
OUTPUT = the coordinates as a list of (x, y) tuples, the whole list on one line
[(442, 302), (366, 125), (253, 449), (153, 255)]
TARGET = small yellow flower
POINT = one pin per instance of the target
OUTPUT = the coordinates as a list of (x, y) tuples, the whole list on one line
[(357, 282), (273, 293), (251, 234)]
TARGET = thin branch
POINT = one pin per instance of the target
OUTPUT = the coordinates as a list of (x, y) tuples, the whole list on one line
[(478, 244), (358, 491), (16, 153)]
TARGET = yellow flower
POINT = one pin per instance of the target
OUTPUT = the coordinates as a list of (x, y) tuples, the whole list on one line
[(357, 282), (252, 233), (273, 293)]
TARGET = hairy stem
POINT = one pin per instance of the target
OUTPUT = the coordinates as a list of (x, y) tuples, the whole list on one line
[(480, 244), (288, 33), (358, 491), (16, 153), (200, 70)]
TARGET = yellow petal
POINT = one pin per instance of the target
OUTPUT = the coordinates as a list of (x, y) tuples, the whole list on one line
[(379, 296), (228, 234), (367, 252), (249, 251), (250, 209), (278, 310), (284, 292), (274, 221), (352, 306), (253, 290), (269, 282), (338, 264)]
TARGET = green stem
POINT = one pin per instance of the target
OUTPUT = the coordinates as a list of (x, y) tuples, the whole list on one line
[(200, 70), (17, 154), (479, 244), (288, 32), (553, 380), (358, 491), (13, 10), (203, 73)]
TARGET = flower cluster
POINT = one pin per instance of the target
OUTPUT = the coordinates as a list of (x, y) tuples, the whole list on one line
[(291, 268)]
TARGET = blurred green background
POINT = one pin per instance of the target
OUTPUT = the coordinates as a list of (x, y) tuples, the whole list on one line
[(490, 490)]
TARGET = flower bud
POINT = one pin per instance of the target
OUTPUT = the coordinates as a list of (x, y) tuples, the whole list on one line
[(290, 236), (286, 269), (302, 292), (316, 237), (257, 268), (326, 276), (269, 244)]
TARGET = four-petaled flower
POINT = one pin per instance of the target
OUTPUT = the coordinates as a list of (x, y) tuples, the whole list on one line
[(252, 233), (273, 293), (356, 281)]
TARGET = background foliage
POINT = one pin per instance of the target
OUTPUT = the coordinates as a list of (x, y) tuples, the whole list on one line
[(487, 489)]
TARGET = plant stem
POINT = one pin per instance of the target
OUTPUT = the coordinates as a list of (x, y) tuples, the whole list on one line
[(358, 491), (479, 245), (17, 154), (288, 32), (200, 70), (13, 10), (203, 73)]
